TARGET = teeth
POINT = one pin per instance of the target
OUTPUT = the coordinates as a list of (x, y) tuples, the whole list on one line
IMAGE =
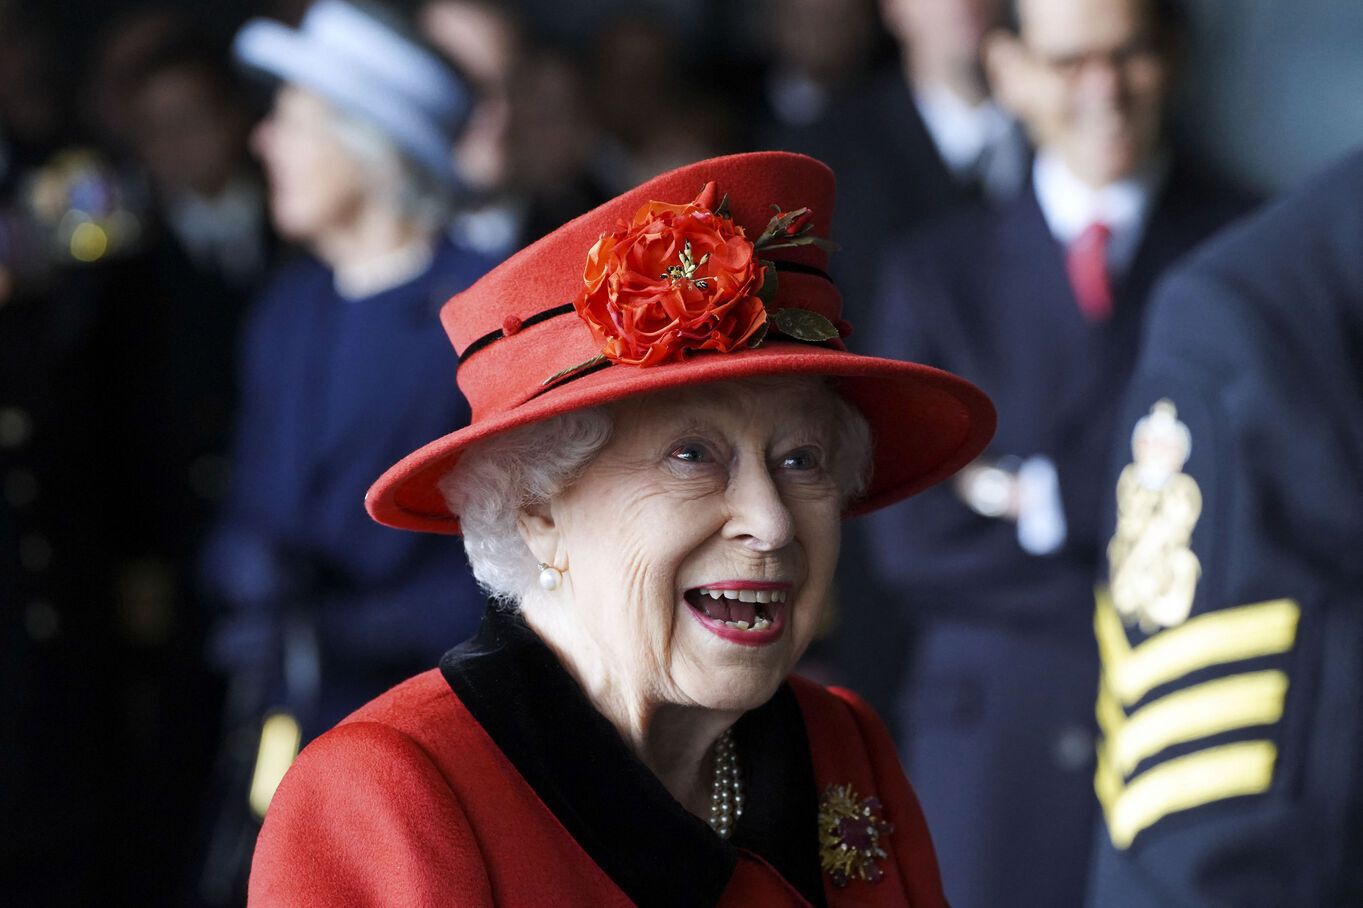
[(760, 624), (747, 595)]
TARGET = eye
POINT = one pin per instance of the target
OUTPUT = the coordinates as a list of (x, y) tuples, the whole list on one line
[(692, 452), (802, 459)]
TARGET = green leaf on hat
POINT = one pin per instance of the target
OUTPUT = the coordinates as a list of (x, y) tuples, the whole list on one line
[(802, 324), (722, 209), (760, 334), (767, 292), (564, 373)]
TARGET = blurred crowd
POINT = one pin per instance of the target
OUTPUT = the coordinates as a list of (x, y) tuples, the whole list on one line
[(219, 261)]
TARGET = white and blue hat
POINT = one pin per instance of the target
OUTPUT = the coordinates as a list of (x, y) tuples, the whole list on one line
[(368, 68)]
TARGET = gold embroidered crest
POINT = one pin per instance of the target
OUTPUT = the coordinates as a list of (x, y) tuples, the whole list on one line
[(1154, 569), (850, 833)]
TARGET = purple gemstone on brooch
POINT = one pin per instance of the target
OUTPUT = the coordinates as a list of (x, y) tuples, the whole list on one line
[(851, 835), (856, 833)]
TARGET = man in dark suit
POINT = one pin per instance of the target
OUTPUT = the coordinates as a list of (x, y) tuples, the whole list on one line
[(913, 143), (1040, 302), (909, 145), (1229, 775)]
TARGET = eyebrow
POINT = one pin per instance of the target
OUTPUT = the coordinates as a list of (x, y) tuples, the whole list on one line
[(695, 423), (808, 431)]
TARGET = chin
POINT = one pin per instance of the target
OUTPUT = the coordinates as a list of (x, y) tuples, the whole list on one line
[(292, 225), (736, 691), (723, 676), (1100, 168)]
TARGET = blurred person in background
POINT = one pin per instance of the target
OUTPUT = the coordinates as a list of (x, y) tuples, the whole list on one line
[(527, 149), (484, 40), (323, 609), (1041, 302), (657, 105), (909, 143), (553, 137), (170, 320), (973, 139), (1229, 773), (820, 50), (190, 124), (123, 46), (207, 244)]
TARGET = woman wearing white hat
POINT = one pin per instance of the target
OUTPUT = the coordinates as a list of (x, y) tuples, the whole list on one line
[(323, 609)]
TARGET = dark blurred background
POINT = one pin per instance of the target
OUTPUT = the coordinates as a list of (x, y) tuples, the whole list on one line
[(134, 234)]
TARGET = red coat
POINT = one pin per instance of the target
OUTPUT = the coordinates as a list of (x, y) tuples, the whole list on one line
[(492, 782)]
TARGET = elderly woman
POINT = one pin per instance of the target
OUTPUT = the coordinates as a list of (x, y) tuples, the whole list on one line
[(663, 446)]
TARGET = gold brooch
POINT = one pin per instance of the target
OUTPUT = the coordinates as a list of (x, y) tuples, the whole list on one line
[(850, 832)]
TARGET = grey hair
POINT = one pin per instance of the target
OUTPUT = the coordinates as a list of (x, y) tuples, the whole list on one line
[(419, 196), (497, 479)]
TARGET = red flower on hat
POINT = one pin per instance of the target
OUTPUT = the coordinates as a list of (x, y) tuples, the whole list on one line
[(676, 278)]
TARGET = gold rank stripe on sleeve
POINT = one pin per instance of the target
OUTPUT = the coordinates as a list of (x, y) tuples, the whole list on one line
[(1212, 638), (1214, 774), (1237, 701), (1200, 711)]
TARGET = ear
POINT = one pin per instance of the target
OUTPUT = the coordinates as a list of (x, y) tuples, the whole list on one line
[(540, 532), (1005, 66)]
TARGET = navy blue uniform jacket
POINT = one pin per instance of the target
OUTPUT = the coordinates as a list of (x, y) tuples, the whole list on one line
[(996, 706), (1232, 770)]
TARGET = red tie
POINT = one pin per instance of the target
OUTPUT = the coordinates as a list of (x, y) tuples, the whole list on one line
[(1086, 263)]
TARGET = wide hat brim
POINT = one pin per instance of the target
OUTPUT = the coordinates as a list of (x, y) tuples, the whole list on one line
[(925, 423), (521, 344)]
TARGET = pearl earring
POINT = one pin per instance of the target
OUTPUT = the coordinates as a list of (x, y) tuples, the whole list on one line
[(550, 577)]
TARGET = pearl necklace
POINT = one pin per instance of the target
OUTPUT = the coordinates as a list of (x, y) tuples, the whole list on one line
[(726, 791)]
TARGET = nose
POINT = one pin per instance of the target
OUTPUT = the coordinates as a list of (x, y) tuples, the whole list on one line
[(1101, 78), (758, 515)]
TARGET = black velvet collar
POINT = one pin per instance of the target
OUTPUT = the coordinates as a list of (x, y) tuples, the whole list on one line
[(615, 808)]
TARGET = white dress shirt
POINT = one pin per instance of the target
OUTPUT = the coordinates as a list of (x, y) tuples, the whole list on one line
[(1070, 205), (225, 232), (963, 133)]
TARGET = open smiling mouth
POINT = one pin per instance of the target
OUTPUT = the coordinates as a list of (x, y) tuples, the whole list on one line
[(743, 615)]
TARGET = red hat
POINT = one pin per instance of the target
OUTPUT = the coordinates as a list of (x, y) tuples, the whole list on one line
[(713, 272)]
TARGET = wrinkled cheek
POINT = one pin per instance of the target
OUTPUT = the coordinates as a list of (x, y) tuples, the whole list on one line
[(648, 608), (822, 549)]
